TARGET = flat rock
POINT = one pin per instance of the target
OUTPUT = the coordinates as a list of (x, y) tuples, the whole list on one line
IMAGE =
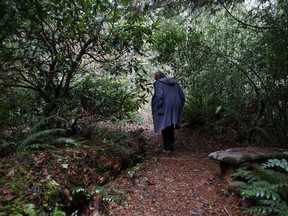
[(236, 156)]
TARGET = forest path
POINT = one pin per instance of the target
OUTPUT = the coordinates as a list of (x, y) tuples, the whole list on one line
[(184, 183)]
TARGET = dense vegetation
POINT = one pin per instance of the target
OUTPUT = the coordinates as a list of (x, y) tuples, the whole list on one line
[(67, 65), (232, 62)]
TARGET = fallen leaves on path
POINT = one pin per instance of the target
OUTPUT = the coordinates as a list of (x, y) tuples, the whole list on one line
[(184, 183)]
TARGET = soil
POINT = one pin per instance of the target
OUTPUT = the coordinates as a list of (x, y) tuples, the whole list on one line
[(184, 183)]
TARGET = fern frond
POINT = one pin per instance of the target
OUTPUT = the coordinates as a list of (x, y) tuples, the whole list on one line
[(39, 134), (267, 186), (276, 205), (259, 210), (263, 132), (33, 146), (276, 163), (5, 144), (246, 175), (38, 137), (111, 198), (119, 191), (267, 207), (272, 176), (239, 184), (268, 175), (98, 190), (261, 192), (77, 190)]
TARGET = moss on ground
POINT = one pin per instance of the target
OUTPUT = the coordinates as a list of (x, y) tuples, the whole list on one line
[(39, 182)]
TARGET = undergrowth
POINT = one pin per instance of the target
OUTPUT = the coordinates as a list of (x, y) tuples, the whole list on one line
[(37, 137), (50, 181), (267, 186)]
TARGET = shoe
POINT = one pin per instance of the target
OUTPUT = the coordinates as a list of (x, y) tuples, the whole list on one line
[(168, 152)]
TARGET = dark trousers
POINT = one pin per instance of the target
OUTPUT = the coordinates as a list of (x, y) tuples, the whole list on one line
[(168, 138)]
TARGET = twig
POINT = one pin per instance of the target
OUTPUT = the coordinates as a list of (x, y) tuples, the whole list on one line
[(226, 210), (200, 184)]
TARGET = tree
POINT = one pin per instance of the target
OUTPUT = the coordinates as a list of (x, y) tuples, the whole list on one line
[(236, 52), (47, 45)]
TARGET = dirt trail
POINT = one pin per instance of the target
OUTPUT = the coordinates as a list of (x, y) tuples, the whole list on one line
[(184, 183)]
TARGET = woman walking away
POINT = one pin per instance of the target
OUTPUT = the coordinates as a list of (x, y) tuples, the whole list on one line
[(167, 106)]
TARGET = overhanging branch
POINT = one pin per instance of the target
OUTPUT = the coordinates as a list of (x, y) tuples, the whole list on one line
[(243, 23)]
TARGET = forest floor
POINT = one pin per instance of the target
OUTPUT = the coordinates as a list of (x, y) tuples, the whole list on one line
[(184, 183)]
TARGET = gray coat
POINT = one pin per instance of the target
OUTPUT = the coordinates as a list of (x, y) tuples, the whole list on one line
[(167, 103)]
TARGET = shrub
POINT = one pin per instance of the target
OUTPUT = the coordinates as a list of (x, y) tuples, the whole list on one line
[(267, 185), (202, 109), (37, 138)]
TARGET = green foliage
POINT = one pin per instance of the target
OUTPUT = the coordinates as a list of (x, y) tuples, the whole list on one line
[(168, 39), (112, 135), (48, 47), (45, 178), (276, 163), (29, 209), (4, 112), (203, 109), (108, 96), (106, 195), (117, 143), (268, 187), (131, 172), (38, 140), (28, 196), (57, 212), (19, 111), (214, 52)]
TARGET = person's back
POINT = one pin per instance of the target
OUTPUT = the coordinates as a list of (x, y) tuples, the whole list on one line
[(167, 104), (170, 90)]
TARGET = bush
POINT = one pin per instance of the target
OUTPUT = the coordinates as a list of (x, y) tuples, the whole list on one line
[(108, 96), (267, 185), (202, 109)]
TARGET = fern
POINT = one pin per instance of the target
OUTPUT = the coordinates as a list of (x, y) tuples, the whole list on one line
[(202, 109), (119, 191), (113, 198), (98, 190), (131, 172), (37, 135), (79, 189), (259, 190), (39, 139), (36, 146), (266, 186), (268, 207), (6, 144), (276, 163), (246, 175), (260, 210), (239, 184), (36, 139)]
